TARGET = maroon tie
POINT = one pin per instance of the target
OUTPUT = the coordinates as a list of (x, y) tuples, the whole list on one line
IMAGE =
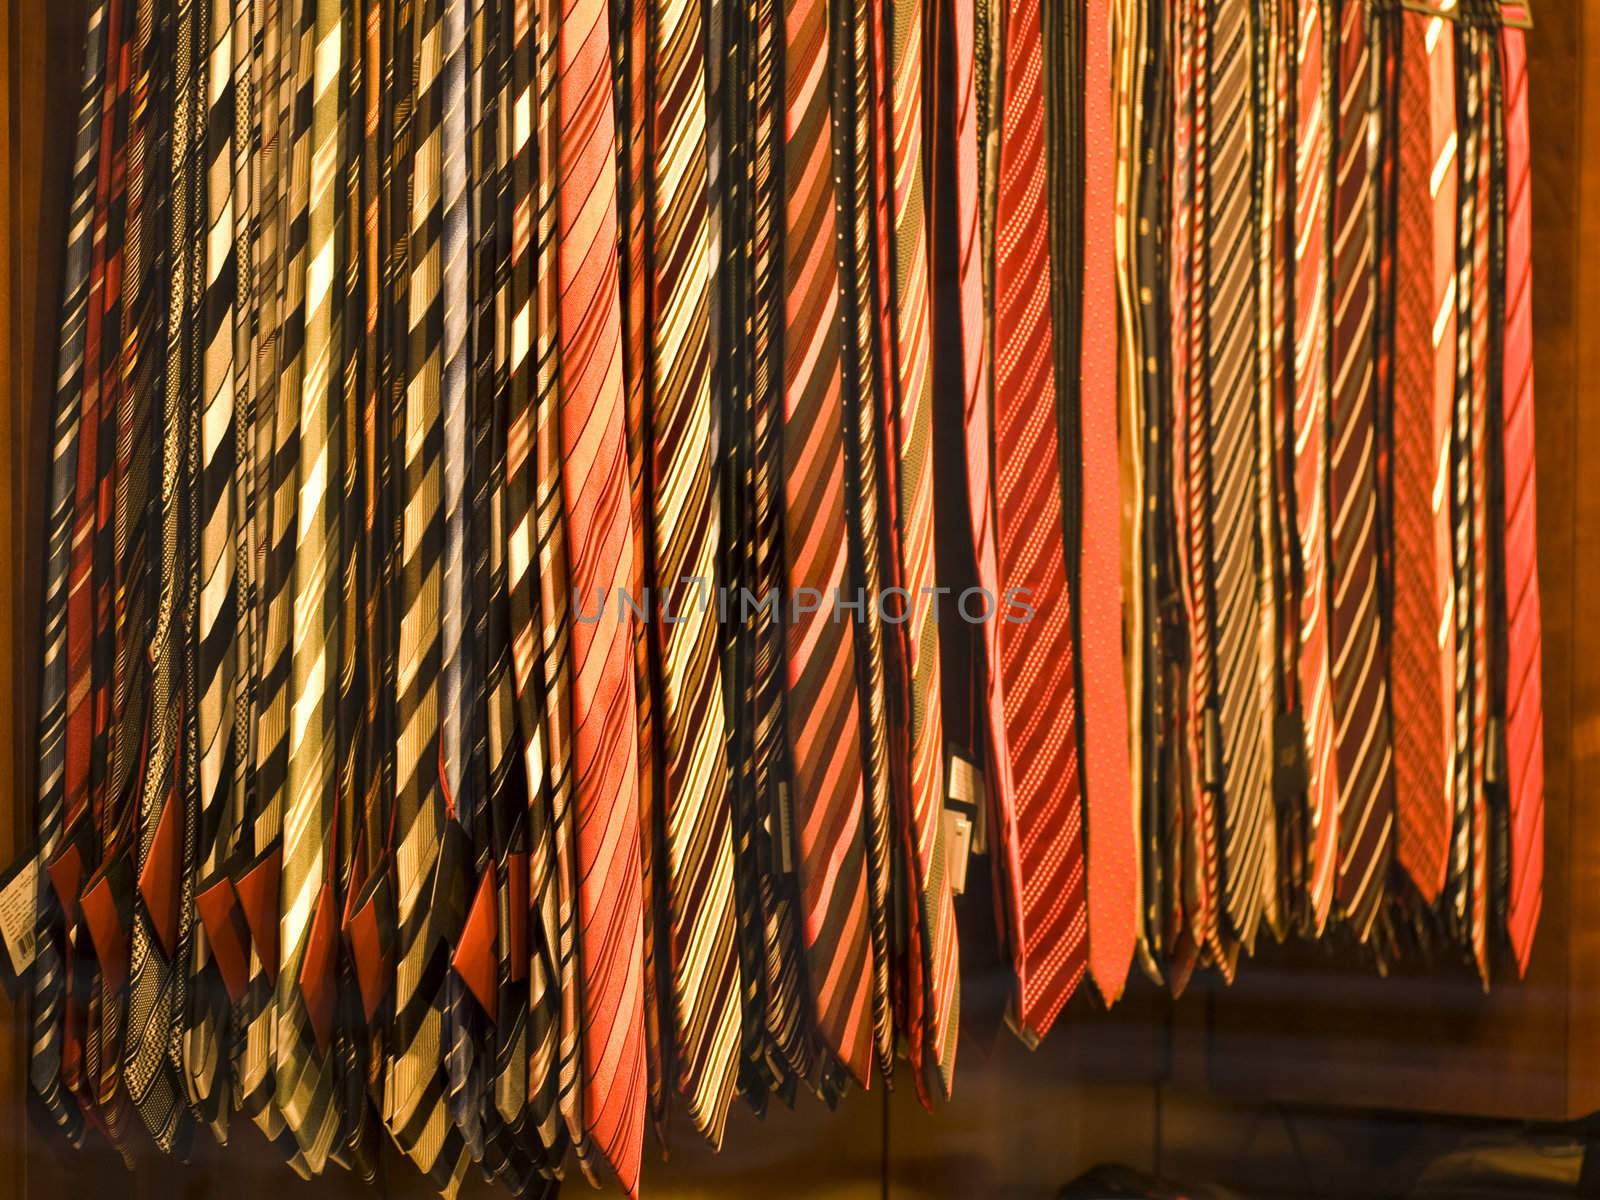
[(1524, 688), (1036, 655)]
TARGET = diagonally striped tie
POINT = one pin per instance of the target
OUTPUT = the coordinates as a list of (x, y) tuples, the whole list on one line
[(1420, 665), (1049, 950), (933, 986), (853, 109), (304, 1072), (533, 488), (218, 533), (414, 1095), (1313, 194), (156, 989), (788, 1030), (594, 491), (823, 721), (1360, 680), (684, 530), (1524, 686), (57, 946), (1235, 550)]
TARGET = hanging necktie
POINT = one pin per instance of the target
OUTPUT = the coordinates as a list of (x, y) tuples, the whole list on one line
[(1480, 108), (1112, 849), (89, 635), (1313, 192), (1524, 696), (1235, 553), (279, 269), (1420, 665), (162, 821), (683, 532), (594, 491), (217, 626), (1360, 681), (1048, 945), (1203, 901), (823, 721), (854, 113), (933, 986), (788, 1023), (304, 1071), (59, 944), (430, 863), (973, 54)]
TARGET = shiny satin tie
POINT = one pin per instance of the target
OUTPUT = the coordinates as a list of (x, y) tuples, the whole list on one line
[(303, 1072), (1113, 852), (218, 582), (1524, 689), (1049, 943), (1233, 480), (1360, 681), (822, 718), (1313, 196), (1421, 662), (933, 986), (595, 496)]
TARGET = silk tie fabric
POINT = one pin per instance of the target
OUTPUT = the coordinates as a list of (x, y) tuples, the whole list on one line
[(594, 491), (1421, 667), (823, 723), (1049, 944), (58, 944), (1113, 855), (933, 986), (1313, 198), (1524, 706)]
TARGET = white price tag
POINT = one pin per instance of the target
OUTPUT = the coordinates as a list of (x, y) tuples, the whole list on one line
[(19, 906), (957, 849)]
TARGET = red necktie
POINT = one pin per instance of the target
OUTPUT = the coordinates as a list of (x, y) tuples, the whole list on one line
[(1048, 947), (823, 720), (1113, 854), (1420, 665), (1524, 688), (595, 493)]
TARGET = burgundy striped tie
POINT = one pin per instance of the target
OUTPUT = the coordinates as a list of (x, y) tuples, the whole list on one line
[(1360, 682), (823, 723), (1524, 689), (1036, 655), (595, 494)]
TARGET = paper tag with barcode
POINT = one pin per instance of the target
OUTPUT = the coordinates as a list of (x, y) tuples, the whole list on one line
[(957, 849), (19, 907)]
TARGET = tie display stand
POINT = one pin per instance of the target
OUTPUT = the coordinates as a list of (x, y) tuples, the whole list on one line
[(1301, 1026)]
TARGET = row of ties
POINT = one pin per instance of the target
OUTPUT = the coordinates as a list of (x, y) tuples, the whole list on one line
[(1323, 254), (390, 329)]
